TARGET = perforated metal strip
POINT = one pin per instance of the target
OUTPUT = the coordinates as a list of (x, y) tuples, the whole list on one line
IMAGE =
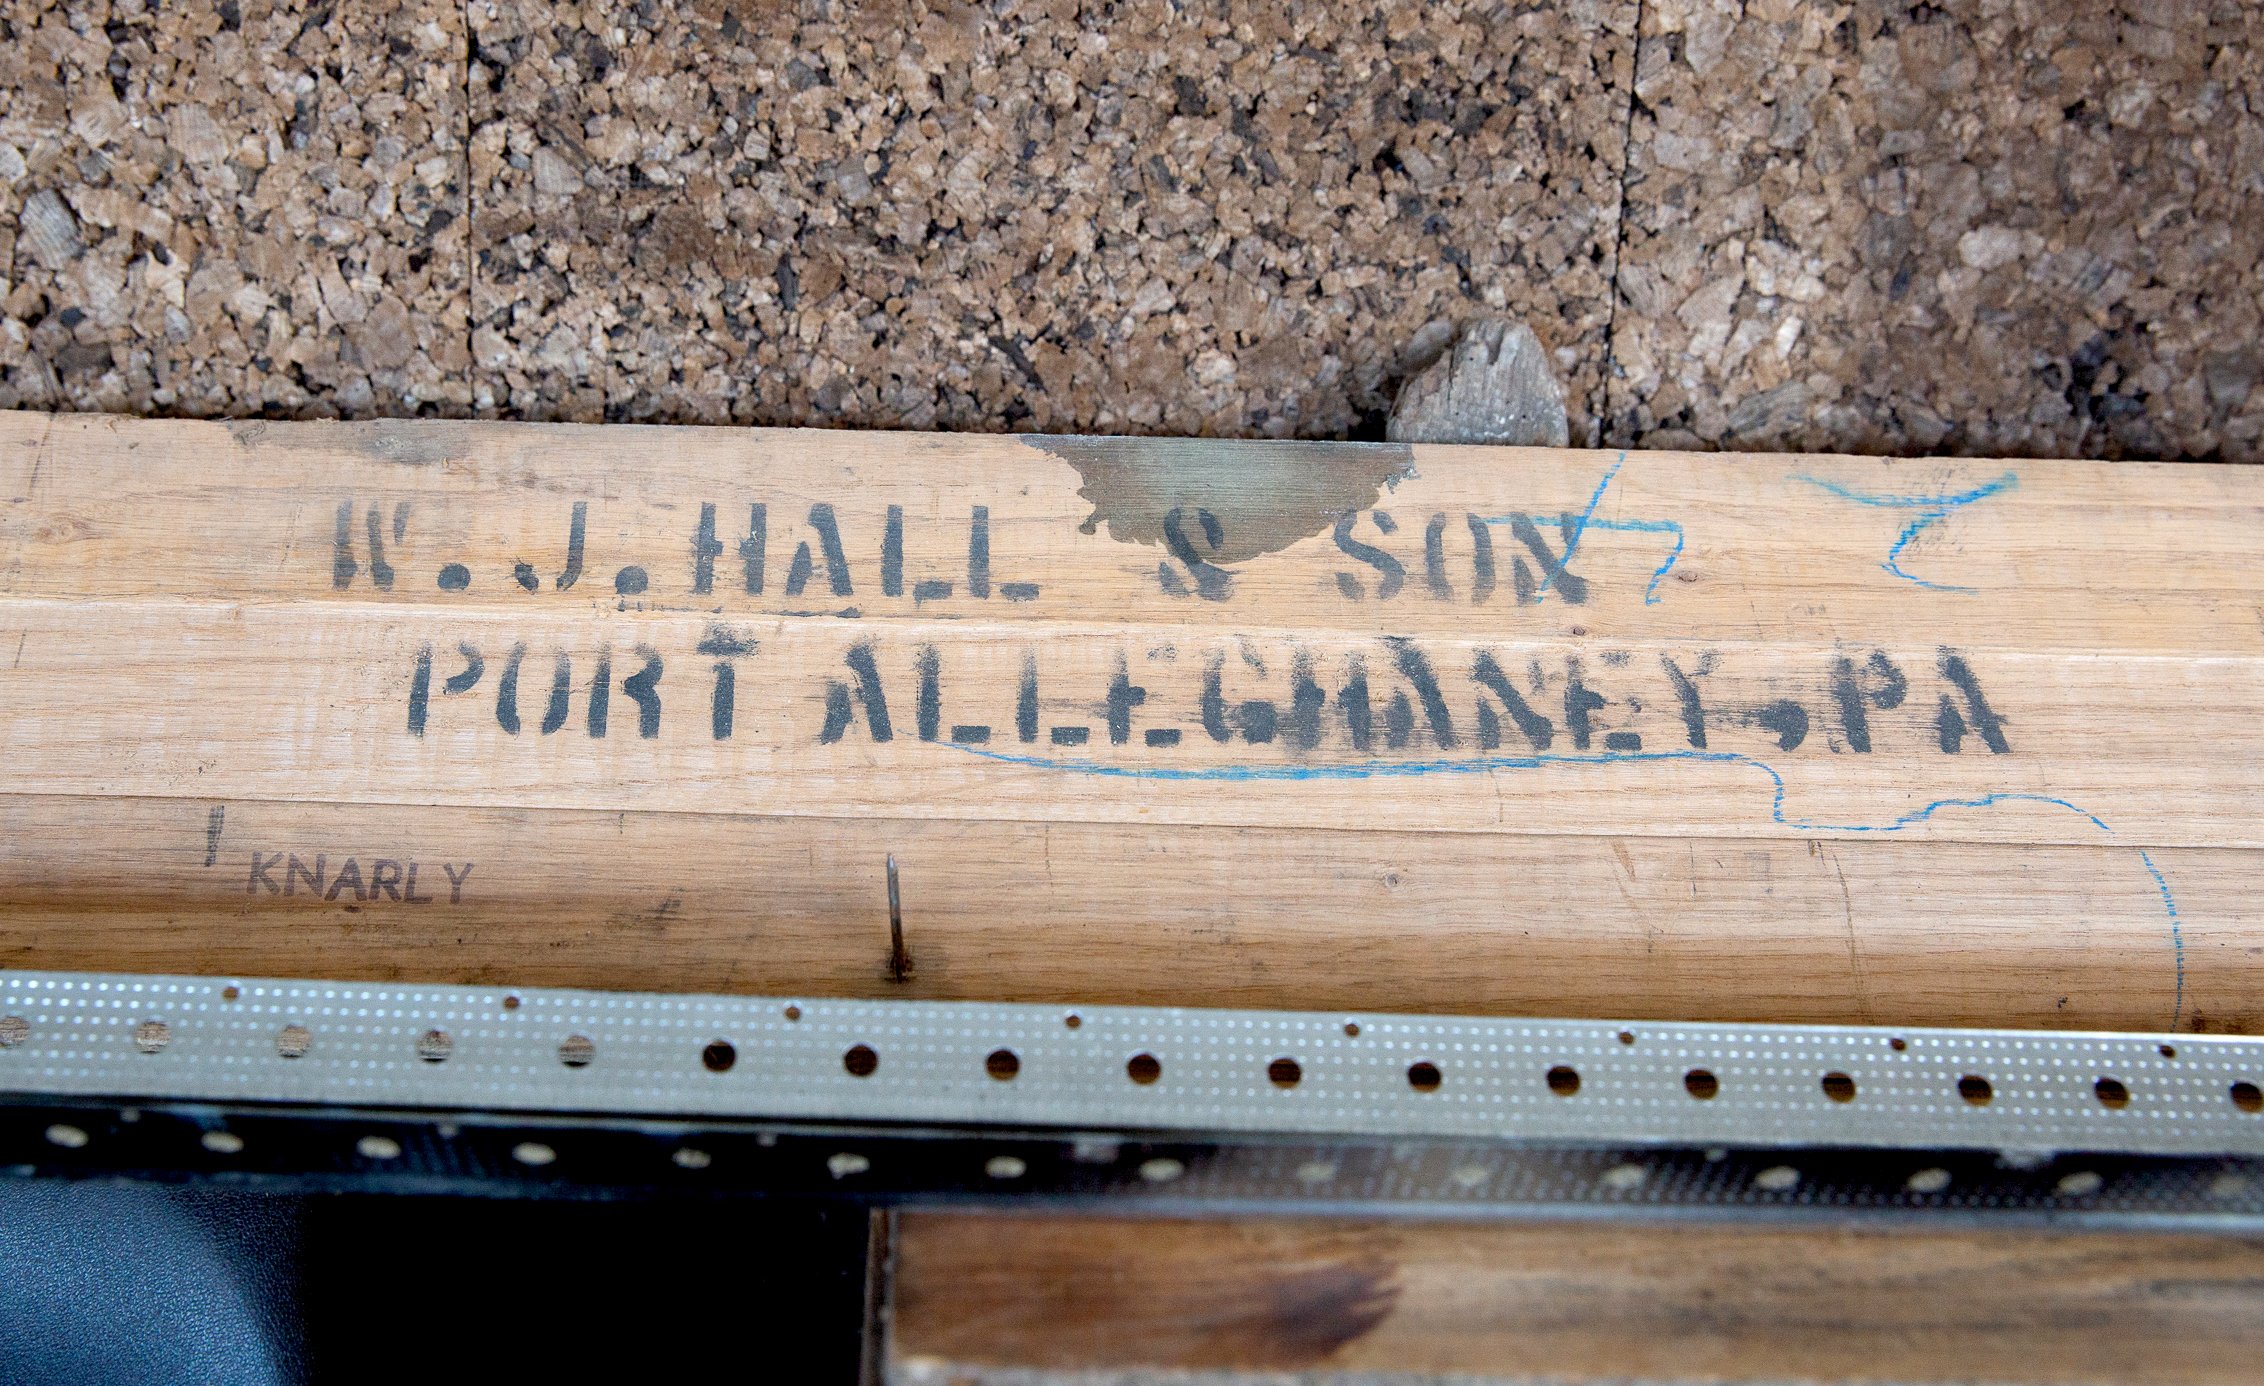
[(530, 1050)]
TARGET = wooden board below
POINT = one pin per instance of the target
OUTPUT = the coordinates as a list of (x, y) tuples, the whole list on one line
[(1009, 1299), (1617, 928)]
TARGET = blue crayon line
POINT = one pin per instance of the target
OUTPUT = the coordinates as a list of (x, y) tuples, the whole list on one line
[(1673, 527), (1573, 531), (2177, 934), (1470, 765), (1658, 575), (1934, 510), (1574, 527)]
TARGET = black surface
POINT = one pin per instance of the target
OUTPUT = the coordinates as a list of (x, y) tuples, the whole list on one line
[(145, 1283), (152, 1284), (706, 1163)]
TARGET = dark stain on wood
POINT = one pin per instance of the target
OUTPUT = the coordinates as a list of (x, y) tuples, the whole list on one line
[(1261, 497), (1302, 1318), (1047, 1291), (416, 443)]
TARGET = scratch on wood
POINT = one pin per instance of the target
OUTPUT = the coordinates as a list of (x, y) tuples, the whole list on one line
[(291, 535), (1854, 948), (1625, 876), (38, 459)]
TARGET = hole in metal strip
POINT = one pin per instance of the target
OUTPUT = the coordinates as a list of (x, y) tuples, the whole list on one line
[(2081, 1184), (1777, 1179), (1930, 1180)]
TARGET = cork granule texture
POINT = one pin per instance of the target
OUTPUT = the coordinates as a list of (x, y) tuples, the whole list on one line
[(1980, 226)]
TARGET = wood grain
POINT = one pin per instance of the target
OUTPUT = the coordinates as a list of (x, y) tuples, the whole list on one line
[(193, 699), (1638, 736), (1633, 928), (1584, 1302), (2061, 555)]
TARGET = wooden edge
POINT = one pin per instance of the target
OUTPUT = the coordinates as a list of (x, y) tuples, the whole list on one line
[(1625, 929), (1004, 1298)]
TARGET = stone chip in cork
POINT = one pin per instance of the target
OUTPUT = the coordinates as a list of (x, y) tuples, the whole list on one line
[(1495, 386)]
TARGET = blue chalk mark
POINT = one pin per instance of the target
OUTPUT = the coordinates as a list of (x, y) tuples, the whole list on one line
[(1575, 526), (1473, 765), (2177, 934), (1933, 510), (1578, 527), (1673, 527)]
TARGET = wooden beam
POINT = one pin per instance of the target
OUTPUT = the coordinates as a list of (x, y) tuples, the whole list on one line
[(1627, 928), (984, 1299), (1290, 725)]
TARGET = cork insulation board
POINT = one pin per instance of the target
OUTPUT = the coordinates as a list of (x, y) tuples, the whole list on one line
[(1429, 728)]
